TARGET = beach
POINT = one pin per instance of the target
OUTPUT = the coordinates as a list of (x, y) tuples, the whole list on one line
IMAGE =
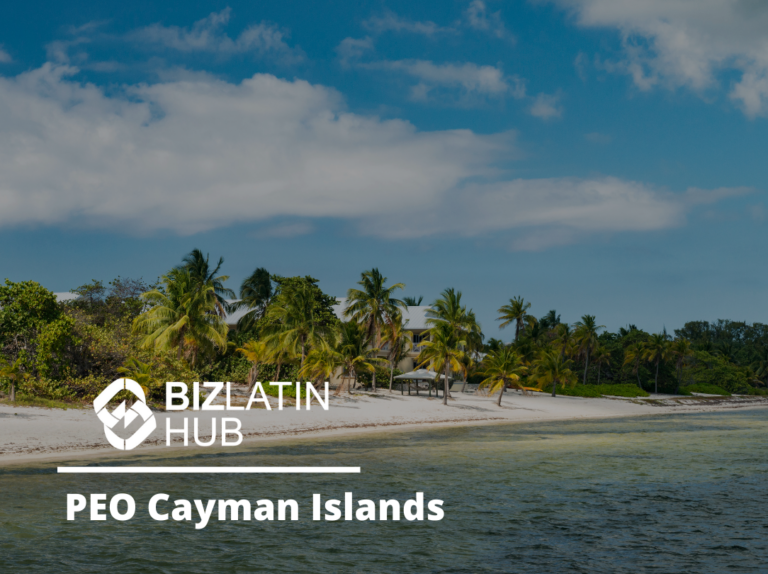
[(32, 433)]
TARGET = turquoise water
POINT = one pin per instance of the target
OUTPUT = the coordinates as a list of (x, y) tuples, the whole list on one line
[(653, 494)]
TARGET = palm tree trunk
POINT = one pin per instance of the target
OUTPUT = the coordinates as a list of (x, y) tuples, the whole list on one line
[(464, 387), (656, 382), (277, 373), (501, 391), (252, 376), (598, 373), (445, 390), (554, 387), (391, 374), (13, 391), (586, 366)]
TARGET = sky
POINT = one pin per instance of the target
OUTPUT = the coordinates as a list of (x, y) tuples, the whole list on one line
[(602, 157)]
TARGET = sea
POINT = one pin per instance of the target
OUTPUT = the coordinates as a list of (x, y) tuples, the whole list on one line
[(681, 493)]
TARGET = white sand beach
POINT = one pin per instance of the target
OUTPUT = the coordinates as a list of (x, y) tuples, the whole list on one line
[(31, 433)]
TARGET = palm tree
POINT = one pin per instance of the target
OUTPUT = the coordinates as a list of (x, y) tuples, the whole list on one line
[(448, 312), (356, 352), (199, 268), (14, 373), (550, 320), (680, 349), (515, 312), (563, 339), (586, 338), (258, 353), (373, 305), (468, 367), (255, 295), (601, 355), (397, 342), (501, 368), (182, 315), (760, 366), (553, 369), (443, 351), (633, 354), (412, 301), (140, 372), (657, 351), (321, 363), (291, 322)]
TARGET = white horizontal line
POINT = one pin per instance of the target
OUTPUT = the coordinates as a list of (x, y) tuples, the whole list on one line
[(209, 469)]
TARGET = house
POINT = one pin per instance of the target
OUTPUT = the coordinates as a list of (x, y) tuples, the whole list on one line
[(414, 318)]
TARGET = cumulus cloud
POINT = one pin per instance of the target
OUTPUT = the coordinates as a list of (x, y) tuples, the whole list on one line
[(546, 107), (553, 211), (350, 50), (684, 43), (195, 154), (286, 230), (207, 35), (5, 57), (468, 78), (391, 22), (478, 18)]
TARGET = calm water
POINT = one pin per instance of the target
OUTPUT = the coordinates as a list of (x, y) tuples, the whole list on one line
[(653, 494)]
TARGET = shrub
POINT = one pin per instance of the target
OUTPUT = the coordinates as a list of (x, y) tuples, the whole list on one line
[(46, 389), (622, 390), (597, 391)]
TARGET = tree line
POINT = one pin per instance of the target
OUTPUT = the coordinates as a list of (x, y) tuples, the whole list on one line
[(176, 329)]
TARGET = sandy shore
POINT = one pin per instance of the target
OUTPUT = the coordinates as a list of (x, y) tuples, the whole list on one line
[(30, 433)]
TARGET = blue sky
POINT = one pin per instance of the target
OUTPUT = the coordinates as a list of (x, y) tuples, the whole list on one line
[(593, 156)]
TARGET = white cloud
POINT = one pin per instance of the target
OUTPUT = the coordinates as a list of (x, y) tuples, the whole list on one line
[(206, 35), (479, 19), (553, 211), (195, 155), (286, 230), (350, 50), (546, 107), (200, 153), (391, 22), (685, 43), (5, 57), (468, 78)]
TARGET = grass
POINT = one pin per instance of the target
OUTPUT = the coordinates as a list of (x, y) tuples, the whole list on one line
[(38, 402)]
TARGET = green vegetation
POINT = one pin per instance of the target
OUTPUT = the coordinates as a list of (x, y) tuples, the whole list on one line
[(64, 353), (706, 388), (596, 391)]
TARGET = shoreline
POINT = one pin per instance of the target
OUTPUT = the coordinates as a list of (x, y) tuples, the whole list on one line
[(21, 445)]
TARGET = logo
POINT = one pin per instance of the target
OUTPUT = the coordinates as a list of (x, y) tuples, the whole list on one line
[(122, 413)]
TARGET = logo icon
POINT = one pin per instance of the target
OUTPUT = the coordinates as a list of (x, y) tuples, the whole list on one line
[(125, 414)]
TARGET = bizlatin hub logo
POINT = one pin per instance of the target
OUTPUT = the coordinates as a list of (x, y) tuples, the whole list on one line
[(177, 399), (122, 506), (127, 415)]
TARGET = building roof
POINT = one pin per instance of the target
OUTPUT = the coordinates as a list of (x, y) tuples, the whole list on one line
[(414, 318)]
